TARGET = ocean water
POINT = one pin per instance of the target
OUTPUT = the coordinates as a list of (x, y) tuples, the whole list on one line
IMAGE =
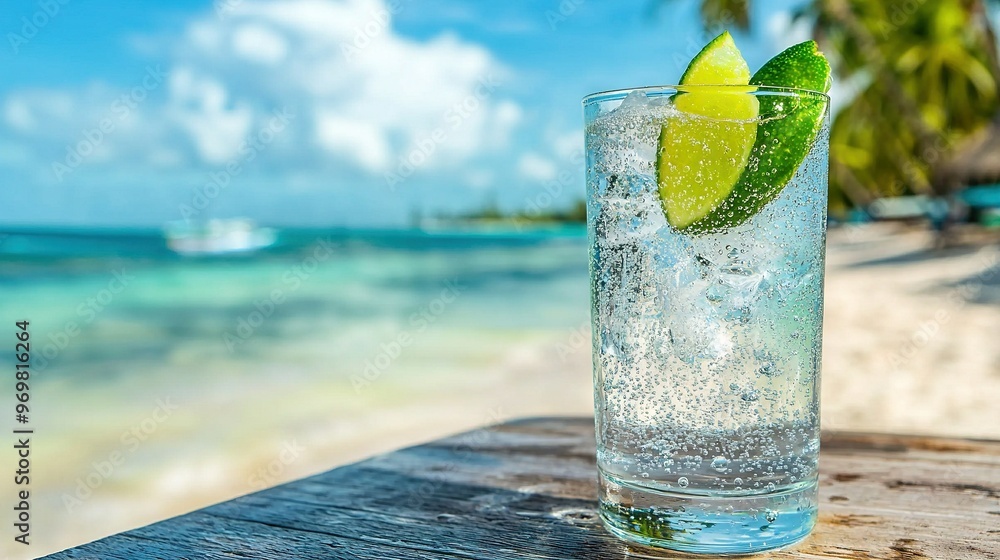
[(134, 302), (161, 383)]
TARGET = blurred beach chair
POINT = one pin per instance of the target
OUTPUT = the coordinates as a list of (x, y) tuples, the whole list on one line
[(905, 208), (979, 206), (983, 203), (970, 179), (913, 209)]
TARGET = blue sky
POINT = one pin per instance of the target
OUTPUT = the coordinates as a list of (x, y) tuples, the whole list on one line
[(319, 112)]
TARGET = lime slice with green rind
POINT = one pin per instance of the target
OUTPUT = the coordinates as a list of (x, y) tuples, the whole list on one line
[(786, 132), (719, 63), (704, 148), (705, 185)]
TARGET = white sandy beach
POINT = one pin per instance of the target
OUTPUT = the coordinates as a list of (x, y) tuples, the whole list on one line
[(908, 348), (910, 336)]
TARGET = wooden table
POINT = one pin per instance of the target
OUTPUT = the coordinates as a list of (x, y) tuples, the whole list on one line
[(526, 489)]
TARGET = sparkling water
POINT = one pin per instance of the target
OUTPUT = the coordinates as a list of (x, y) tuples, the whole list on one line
[(706, 349)]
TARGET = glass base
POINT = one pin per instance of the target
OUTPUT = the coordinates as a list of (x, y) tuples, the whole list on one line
[(733, 524)]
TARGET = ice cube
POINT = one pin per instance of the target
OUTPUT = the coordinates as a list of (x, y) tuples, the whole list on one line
[(696, 338), (697, 330), (633, 219), (740, 282), (636, 99)]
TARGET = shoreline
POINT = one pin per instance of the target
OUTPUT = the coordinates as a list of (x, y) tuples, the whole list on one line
[(908, 348)]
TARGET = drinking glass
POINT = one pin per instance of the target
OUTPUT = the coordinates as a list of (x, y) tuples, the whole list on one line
[(706, 344)]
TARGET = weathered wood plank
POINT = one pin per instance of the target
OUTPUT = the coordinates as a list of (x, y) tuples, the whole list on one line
[(200, 536), (526, 489)]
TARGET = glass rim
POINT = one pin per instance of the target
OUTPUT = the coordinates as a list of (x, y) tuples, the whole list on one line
[(615, 94)]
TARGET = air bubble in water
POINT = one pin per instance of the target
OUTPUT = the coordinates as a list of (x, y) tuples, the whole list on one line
[(717, 311), (768, 369)]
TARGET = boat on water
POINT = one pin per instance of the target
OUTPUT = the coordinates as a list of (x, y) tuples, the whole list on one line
[(218, 237)]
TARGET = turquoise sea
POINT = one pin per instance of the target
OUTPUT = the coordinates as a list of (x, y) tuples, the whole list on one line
[(161, 383)]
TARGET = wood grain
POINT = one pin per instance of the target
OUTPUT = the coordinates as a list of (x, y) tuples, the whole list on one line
[(526, 489)]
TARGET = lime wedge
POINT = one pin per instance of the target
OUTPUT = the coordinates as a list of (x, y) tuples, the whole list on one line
[(799, 66), (718, 63), (704, 148), (788, 126), (705, 182)]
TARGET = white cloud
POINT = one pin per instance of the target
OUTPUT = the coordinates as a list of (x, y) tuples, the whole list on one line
[(320, 18), (368, 95), (363, 95), (537, 168), (364, 141), (201, 106), (18, 114), (260, 44), (508, 114), (205, 35), (29, 110)]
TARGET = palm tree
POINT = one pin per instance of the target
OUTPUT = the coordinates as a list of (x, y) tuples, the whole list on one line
[(726, 12), (938, 88), (928, 76)]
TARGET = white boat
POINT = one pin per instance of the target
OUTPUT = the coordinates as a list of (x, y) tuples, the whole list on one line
[(217, 237)]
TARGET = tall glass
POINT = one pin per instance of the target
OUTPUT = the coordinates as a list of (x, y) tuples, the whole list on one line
[(706, 345)]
